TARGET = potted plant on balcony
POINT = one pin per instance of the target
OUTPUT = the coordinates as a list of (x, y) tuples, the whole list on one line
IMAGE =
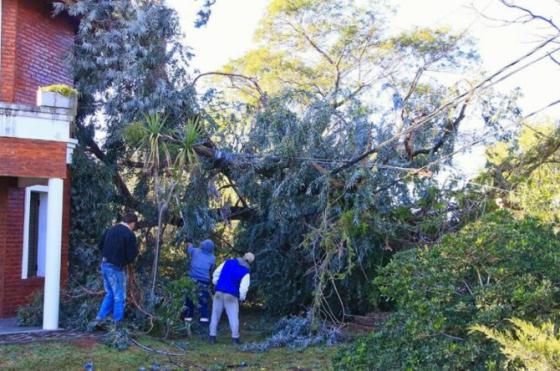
[(58, 95)]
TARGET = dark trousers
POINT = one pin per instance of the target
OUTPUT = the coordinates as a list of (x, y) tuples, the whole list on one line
[(203, 295)]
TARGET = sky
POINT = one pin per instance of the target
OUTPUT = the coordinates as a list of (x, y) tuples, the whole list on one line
[(229, 34)]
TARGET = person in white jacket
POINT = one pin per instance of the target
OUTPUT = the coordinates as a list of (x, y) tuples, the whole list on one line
[(231, 279)]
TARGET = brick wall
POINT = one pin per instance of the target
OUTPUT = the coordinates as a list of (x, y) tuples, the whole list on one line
[(8, 67), (35, 47), (32, 158), (34, 53), (4, 183), (14, 291)]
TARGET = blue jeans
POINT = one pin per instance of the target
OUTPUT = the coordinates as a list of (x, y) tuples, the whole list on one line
[(114, 282), (203, 294)]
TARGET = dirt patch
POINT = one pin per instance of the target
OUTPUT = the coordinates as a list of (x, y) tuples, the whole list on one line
[(361, 325), (84, 342)]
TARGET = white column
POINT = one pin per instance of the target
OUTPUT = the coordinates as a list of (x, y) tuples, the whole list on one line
[(53, 255)]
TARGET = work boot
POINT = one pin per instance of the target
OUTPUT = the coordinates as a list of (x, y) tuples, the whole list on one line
[(236, 341), (212, 340), (93, 325)]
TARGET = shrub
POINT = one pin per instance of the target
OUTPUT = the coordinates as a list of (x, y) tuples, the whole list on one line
[(536, 347), (32, 313), (491, 270)]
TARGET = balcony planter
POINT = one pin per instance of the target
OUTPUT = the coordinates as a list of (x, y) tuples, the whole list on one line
[(57, 96)]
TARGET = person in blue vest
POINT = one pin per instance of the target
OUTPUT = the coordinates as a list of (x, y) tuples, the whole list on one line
[(231, 279), (202, 263)]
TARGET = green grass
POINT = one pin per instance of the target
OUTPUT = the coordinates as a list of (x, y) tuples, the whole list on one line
[(199, 355)]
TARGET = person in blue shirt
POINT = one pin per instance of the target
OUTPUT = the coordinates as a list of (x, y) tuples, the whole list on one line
[(232, 279), (202, 263)]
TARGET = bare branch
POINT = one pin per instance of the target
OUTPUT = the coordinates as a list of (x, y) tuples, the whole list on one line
[(450, 128), (531, 14), (540, 110), (551, 56), (233, 75), (350, 96), (312, 43), (129, 200), (488, 82)]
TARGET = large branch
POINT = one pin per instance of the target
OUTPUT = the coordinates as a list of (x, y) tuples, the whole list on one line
[(124, 192), (449, 129), (232, 213)]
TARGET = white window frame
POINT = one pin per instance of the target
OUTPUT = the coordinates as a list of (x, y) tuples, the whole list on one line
[(25, 255)]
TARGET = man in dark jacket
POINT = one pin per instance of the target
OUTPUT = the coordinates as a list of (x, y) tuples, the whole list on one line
[(202, 263), (232, 280), (118, 247)]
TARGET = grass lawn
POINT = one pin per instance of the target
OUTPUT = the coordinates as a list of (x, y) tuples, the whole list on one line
[(200, 354)]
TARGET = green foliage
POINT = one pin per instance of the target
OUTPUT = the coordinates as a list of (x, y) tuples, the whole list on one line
[(536, 347), (127, 61), (31, 314), (62, 89), (277, 150), (426, 41), (93, 209), (171, 303), (491, 270), (129, 66), (186, 154), (117, 337), (315, 47), (334, 83), (528, 168)]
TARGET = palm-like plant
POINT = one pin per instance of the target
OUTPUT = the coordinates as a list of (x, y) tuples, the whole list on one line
[(191, 135), (153, 142), (148, 138)]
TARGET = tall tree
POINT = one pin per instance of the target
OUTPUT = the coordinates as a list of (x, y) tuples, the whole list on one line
[(343, 126)]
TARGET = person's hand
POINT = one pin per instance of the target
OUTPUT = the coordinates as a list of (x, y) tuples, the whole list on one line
[(189, 244)]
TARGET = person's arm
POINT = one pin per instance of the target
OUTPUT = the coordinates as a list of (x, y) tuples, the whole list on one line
[(190, 248), (131, 249), (212, 266), (101, 243), (244, 286), (217, 273)]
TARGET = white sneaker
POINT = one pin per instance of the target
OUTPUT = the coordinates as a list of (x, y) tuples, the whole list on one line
[(188, 319), (205, 320)]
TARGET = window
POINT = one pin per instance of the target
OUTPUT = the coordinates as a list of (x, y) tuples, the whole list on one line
[(35, 228), (33, 234)]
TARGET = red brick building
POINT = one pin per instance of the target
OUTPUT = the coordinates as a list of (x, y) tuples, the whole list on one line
[(35, 151)]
